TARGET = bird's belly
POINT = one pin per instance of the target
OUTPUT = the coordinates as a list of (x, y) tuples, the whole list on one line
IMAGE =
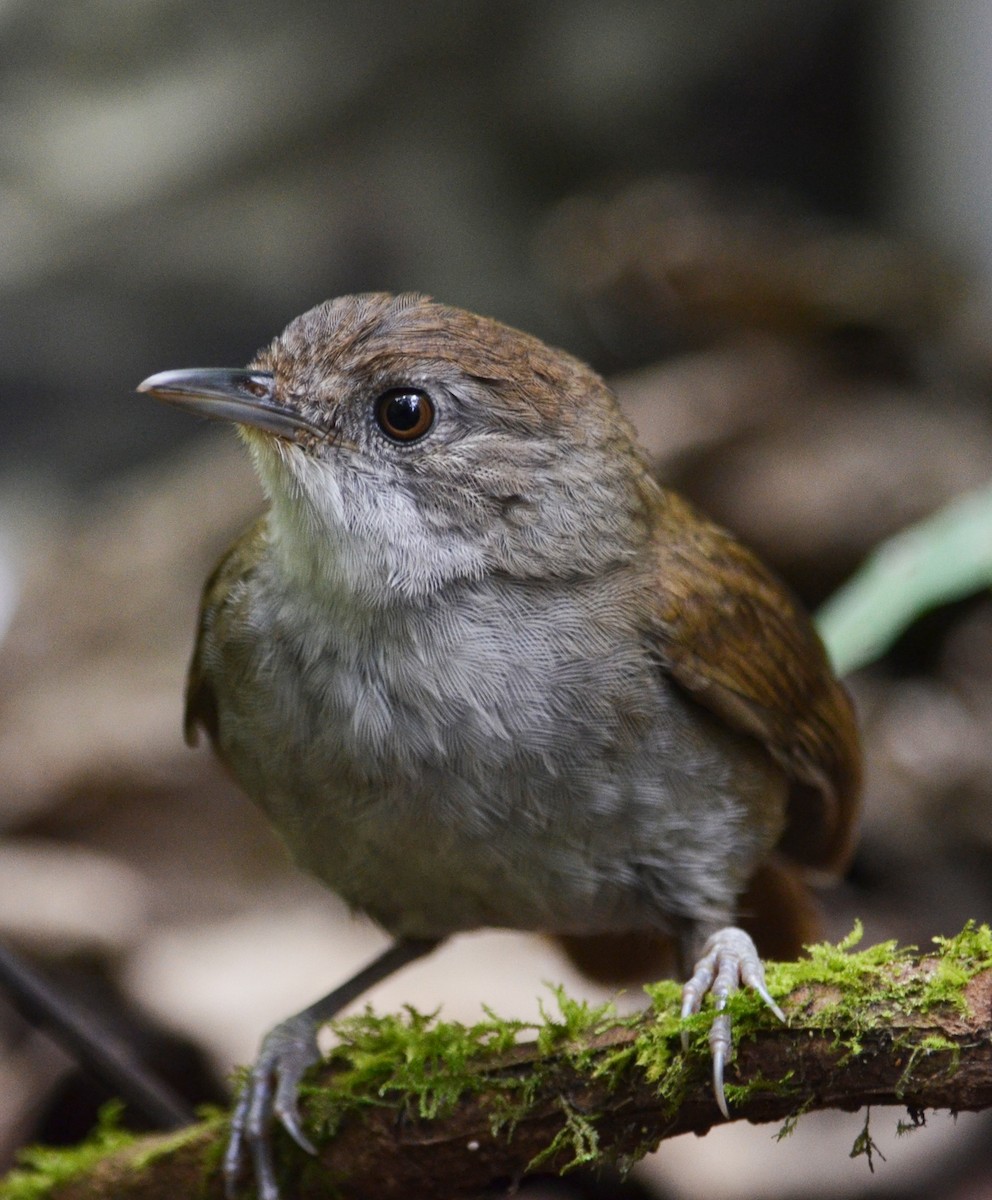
[(408, 860), (562, 809)]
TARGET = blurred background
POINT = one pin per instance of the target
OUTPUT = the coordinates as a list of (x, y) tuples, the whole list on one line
[(768, 223)]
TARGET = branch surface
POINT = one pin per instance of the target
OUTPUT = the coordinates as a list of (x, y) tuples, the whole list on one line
[(408, 1106)]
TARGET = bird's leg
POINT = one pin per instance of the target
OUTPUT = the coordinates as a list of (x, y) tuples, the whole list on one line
[(728, 960), (287, 1051)]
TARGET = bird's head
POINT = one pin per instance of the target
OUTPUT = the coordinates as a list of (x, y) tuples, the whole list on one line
[(421, 443)]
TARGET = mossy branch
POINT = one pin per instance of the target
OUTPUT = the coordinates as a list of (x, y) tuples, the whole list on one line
[(410, 1106)]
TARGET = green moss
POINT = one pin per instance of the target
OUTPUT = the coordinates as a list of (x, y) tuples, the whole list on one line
[(917, 1120), (417, 1063), (575, 1021), (212, 1157), (738, 1094), (42, 1168), (933, 1044), (865, 1146), (961, 958), (414, 1063), (850, 990), (658, 1046), (427, 1066), (837, 990), (577, 1138), (788, 1126), (410, 1059)]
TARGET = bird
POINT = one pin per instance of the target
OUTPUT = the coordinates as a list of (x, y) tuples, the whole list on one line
[(480, 669)]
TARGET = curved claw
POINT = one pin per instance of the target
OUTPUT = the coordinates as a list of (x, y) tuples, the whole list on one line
[(287, 1111), (270, 1093), (721, 1047), (729, 960)]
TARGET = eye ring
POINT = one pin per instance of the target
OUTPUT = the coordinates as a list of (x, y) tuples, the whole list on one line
[(404, 414)]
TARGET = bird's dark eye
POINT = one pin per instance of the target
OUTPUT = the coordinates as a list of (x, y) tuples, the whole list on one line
[(404, 414)]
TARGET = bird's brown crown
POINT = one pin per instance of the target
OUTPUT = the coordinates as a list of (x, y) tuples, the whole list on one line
[(381, 337)]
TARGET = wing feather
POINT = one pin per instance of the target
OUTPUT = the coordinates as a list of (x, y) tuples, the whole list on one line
[(733, 636), (221, 593)]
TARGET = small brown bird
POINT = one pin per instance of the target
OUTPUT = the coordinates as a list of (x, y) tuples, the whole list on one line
[(481, 670)]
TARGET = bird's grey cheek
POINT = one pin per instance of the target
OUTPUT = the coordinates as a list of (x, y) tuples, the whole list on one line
[(317, 487), (374, 511)]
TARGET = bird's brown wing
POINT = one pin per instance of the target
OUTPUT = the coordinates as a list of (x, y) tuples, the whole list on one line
[(734, 638)]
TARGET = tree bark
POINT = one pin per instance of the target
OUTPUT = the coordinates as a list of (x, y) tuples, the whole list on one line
[(919, 1035)]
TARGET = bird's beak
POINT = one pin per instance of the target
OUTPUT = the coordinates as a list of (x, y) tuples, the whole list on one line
[(245, 397)]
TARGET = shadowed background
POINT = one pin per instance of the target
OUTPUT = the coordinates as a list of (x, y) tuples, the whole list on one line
[(765, 221)]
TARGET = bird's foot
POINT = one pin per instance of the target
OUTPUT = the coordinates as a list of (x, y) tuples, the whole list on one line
[(729, 960), (270, 1092)]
